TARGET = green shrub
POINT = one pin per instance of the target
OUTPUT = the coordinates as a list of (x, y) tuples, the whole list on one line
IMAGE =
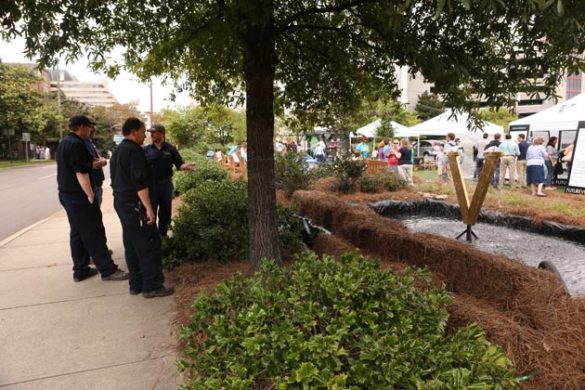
[(323, 170), (347, 172), (388, 181), (328, 324), (369, 184), (291, 173), (193, 156), (212, 224), (205, 170)]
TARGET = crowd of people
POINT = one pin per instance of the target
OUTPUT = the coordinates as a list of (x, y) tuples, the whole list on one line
[(526, 163), (142, 187), (42, 152)]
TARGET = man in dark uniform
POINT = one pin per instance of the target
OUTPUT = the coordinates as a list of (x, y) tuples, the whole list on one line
[(161, 157), (88, 235), (97, 173), (131, 181)]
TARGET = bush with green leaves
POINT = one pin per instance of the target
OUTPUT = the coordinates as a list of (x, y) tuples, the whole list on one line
[(205, 170), (291, 173), (388, 181), (212, 224), (347, 172), (329, 324)]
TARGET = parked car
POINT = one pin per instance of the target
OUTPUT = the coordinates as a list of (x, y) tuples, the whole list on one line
[(425, 149)]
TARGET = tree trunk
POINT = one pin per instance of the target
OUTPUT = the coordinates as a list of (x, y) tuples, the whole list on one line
[(259, 65)]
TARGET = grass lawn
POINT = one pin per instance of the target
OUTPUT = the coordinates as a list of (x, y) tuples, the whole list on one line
[(558, 201), (22, 163)]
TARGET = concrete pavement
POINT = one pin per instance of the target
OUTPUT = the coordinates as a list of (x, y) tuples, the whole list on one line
[(57, 334)]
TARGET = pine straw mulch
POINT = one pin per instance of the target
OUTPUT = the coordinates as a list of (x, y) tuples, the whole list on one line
[(521, 308)]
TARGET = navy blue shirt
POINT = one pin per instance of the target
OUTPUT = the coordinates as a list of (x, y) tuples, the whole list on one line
[(72, 158), (405, 156), (129, 171), (96, 174), (161, 161), (523, 146)]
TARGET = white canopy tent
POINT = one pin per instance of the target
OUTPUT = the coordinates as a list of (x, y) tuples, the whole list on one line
[(448, 123), (371, 129), (563, 116)]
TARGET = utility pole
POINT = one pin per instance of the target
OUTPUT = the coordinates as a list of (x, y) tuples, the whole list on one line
[(59, 99), (151, 105)]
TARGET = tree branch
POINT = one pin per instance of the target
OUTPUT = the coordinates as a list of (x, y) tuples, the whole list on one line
[(323, 10)]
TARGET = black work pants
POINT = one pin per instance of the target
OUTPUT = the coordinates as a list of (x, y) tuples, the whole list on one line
[(161, 198), (142, 247), (87, 236)]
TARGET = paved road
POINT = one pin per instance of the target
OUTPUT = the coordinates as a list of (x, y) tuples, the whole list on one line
[(27, 195)]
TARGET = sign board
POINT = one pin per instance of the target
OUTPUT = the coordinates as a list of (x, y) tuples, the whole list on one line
[(8, 131), (519, 129), (26, 137), (576, 183), (545, 135), (566, 138)]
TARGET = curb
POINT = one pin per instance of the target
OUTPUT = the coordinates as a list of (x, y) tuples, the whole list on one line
[(23, 231)]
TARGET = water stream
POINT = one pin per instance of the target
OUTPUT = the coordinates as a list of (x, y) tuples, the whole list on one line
[(529, 248)]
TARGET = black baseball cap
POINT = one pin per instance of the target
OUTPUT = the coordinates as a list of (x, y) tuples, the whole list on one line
[(80, 120), (157, 127)]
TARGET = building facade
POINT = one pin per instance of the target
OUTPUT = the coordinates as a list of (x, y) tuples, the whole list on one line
[(413, 86), (92, 93)]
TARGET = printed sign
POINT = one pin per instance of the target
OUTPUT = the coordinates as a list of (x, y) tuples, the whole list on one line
[(577, 170)]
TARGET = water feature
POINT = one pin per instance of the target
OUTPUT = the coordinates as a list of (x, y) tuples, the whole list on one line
[(527, 247)]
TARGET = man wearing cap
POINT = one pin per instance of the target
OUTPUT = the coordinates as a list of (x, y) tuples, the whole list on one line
[(131, 181), (87, 235), (161, 157)]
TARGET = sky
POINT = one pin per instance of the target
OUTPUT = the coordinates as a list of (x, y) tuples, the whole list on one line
[(126, 87)]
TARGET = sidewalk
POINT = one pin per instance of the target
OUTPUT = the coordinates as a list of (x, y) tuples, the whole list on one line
[(57, 334)]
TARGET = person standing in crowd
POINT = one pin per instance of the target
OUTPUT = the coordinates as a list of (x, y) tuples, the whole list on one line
[(87, 235), (479, 157), (320, 155), (493, 146), (535, 160), (131, 179), (393, 156), (508, 161), (442, 162), (405, 162), (363, 148), (97, 173), (161, 157), (521, 162), (382, 148), (550, 162)]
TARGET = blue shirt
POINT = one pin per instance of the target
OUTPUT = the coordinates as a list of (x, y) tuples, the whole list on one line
[(161, 161), (509, 148), (523, 147)]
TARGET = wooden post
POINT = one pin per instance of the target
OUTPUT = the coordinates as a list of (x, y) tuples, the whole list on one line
[(470, 210)]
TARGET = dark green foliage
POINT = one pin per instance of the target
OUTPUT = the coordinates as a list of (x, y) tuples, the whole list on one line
[(428, 106), (212, 224), (329, 324), (347, 172), (323, 170), (388, 181), (205, 170), (291, 173)]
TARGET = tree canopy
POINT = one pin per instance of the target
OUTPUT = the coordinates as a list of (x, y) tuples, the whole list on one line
[(307, 54), (428, 106)]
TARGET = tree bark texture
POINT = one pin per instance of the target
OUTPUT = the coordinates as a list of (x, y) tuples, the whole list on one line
[(259, 66)]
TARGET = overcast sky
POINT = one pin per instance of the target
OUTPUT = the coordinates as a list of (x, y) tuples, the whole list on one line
[(125, 87)]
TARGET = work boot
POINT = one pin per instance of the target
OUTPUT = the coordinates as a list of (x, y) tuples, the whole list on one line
[(161, 292), (86, 275), (117, 275)]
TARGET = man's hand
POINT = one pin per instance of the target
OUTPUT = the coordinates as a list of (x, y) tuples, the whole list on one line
[(187, 167), (150, 217), (99, 163)]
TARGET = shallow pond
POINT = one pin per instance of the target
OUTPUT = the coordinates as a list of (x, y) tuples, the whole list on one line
[(530, 248)]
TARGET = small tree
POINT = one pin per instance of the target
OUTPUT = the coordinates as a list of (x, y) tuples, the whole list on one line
[(428, 106)]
